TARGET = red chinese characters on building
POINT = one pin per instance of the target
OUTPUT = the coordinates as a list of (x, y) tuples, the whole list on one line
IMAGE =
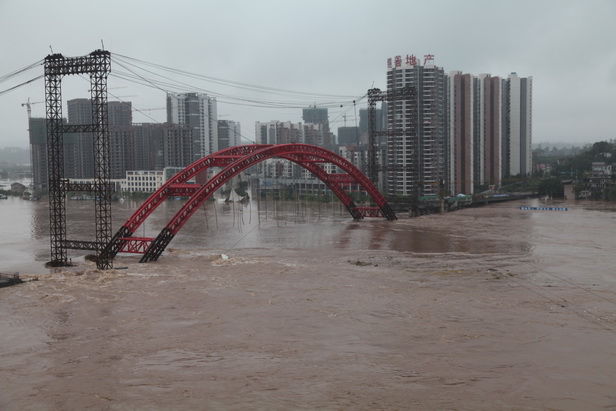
[(427, 58), (411, 60)]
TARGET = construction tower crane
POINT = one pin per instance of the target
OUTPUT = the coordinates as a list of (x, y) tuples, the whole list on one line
[(28, 106)]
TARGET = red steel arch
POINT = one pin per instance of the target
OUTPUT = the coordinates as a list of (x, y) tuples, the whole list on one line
[(235, 160)]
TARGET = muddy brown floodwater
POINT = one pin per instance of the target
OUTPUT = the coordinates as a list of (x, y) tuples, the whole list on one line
[(480, 309)]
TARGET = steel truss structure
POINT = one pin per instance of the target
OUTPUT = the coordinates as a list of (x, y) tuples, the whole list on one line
[(97, 65), (399, 99), (233, 161)]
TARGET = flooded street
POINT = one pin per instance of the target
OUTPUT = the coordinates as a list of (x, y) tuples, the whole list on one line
[(483, 308)]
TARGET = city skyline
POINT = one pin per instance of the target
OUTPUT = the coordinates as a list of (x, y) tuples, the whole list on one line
[(342, 52)]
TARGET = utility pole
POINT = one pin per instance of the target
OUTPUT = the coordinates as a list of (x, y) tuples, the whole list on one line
[(441, 195)]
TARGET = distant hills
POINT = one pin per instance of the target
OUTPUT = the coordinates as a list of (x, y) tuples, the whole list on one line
[(560, 145), (14, 156)]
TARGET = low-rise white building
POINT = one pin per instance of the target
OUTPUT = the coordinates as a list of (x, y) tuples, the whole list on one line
[(147, 181), (601, 169), (143, 180)]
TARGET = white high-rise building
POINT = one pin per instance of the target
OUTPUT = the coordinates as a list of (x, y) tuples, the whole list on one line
[(518, 132), (417, 152), (197, 111)]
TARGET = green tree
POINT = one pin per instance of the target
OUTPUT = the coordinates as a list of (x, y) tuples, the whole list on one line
[(610, 193), (551, 187)]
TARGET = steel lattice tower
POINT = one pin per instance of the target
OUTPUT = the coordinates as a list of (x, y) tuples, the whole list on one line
[(97, 65)]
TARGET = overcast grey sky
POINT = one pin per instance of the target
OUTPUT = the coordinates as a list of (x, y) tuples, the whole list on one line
[(323, 47)]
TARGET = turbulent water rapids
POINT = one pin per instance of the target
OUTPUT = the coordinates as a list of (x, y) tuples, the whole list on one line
[(484, 308)]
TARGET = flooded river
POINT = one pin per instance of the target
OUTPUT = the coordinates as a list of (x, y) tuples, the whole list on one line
[(484, 308)]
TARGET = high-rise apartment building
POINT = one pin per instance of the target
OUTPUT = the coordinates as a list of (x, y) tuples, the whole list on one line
[(199, 112), (518, 127), (229, 134), (313, 133), (279, 132), (348, 136), (462, 156), (315, 115), (472, 130), (488, 130), (122, 153), (285, 132), (178, 145), (164, 145), (38, 153), (79, 157), (416, 157), (496, 113), (148, 146), (381, 121), (79, 147), (319, 116)]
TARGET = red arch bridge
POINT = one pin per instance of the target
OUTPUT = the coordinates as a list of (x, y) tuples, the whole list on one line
[(233, 161)]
